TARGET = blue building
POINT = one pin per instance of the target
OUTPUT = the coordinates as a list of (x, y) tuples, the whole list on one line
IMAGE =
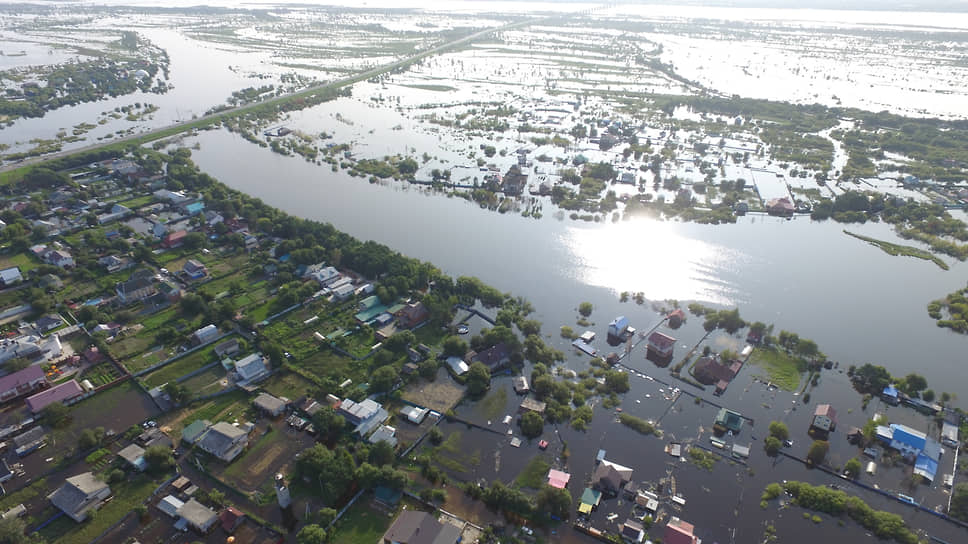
[(890, 395), (914, 446)]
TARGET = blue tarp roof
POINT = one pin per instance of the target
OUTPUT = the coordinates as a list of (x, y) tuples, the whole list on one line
[(890, 391), (926, 467), (908, 436)]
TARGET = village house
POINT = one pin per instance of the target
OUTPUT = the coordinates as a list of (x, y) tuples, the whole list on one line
[(824, 418), (610, 478), (10, 276), (532, 405), (728, 421), (139, 286), (618, 327), (412, 314), (193, 431), (59, 258), (386, 434), (66, 393), (493, 357), (365, 415), (135, 456), (270, 405), (22, 382), (521, 385), (632, 531), (204, 335), (80, 495), (174, 239), (780, 206), (515, 181), (224, 440), (230, 519), (197, 516), (661, 345), (414, 527), (914, 446), (252, 368), (194, 269), (227, 348), (679, 532)]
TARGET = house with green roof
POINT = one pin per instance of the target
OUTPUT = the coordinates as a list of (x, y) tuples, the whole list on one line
[(195, 430), (728, 420)]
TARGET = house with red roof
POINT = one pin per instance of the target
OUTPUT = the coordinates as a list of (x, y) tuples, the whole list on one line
[(679, 532), (661, 345), (174, 239)]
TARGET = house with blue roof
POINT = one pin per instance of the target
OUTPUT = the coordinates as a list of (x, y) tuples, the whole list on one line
[(195, 208), (914, 446), (890, 395)]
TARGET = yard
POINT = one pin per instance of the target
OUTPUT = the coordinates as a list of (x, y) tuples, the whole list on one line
[(206, 383), (362, 524), (117, 409), (101, 374), (182, 366), (440, 395), (24, 261), (265, 457), (782, 369), (288, 384), (127, 495)]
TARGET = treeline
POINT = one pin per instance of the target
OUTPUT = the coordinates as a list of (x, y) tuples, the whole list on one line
[(956, 307), (926, 222), (837, 503)]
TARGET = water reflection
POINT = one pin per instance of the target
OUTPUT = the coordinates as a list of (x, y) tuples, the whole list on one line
[(655, 258)]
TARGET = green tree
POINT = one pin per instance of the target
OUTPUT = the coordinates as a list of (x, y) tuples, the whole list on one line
[(159, 459), (532, 425), (454, 346), (56, 415), (178, 393), (914, 384), (383, 378), (585, 309), (959, 501), (328, 423), (478, 379), (325, 516), (772, 445), (311, 534), (617, 382), (553, 502), (13, 531), (852, 467), (381, 453), (818, 452), (779, 430)]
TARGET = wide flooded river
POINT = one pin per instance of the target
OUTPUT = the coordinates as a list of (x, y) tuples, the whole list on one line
[(860, 304)]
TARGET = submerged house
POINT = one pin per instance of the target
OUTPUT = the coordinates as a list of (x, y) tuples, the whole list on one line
[(914, 446)]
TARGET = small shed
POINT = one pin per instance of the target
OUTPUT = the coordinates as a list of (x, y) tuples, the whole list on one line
[(170, 505)]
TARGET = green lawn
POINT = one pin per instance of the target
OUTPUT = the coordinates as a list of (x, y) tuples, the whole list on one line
[(287, 384), (361, 524), (24, 261), (206, 382), (221, 408), (782, 369), (492, 406), (138, 201), (178, 368)]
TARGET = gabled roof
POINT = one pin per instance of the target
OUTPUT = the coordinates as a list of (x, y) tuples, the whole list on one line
[(661, 340), (197, 514), (133, 454), (21, 377), (412, 527), (220, 437), (78, 495), (194, 430), (494, 355), (59, 393), (825, 410), (230, 518)]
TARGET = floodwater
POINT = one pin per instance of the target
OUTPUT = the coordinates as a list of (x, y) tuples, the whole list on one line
[(860, 304)]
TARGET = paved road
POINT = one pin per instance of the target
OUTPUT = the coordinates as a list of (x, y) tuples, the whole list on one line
[(330, 85)]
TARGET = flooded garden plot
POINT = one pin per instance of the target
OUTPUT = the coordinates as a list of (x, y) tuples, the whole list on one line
[(439, 395), (471, 454)]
